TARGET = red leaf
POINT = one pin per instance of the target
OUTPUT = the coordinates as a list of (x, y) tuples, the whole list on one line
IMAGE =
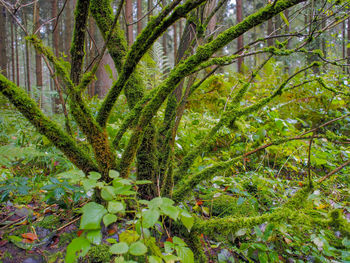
[(30, 236), (170, 239), (199, 202)]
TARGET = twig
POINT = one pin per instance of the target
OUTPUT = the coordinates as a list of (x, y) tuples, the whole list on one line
[(69, 223), (19, 219), (334, 171)]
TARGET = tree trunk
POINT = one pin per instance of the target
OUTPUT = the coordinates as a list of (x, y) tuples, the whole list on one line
[(175, 42), (55, 44), (149, 9), (17, 57), (269, 32), (240, 44), (28, 82), (68, 29), (12, 53), (129, 20), (3, 54), (38, 62), (139, 16)]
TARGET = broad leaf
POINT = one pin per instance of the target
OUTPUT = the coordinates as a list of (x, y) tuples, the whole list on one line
[(92, 216), (138, 249), (150, 217), (119, 248), (115, 207), (109, 219), (79, 247)]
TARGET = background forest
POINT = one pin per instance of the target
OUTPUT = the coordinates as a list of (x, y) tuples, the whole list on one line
[(174, 131)]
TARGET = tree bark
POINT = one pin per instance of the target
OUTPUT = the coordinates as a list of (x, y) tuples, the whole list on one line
[(139, 16), (3, 54), (240, 44), (17, 57), (38, 62), (129, 20), (28, 82), (13, 73)]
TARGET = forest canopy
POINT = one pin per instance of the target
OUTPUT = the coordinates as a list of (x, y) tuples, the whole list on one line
[(175, 131)]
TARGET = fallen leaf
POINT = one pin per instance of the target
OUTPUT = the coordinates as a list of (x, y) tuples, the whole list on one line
[(170, 239), (27, 241), (199, 202), (30, 236), (79, 232), (287, 240)]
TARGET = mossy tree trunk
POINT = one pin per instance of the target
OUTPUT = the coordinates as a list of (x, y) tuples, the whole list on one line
[(143, 105)]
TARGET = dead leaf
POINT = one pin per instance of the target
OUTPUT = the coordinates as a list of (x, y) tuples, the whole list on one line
[(30, 236)]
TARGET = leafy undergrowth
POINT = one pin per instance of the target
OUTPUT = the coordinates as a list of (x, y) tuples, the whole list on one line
[(40, 218)]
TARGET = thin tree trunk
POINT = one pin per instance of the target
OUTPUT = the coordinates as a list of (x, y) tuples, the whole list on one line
[(12, 53), (128, 17), (139, 16), (17, 57), (149, 8), (29, 88), (68, 29), (175, 42), (3, 55), (38, 62), (55, 39), (269, 32), (348, 49), (240, 38)]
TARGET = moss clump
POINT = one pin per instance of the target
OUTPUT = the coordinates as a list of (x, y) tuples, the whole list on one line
[(99, 254), (66, 238), (49, 222), (226, 205)]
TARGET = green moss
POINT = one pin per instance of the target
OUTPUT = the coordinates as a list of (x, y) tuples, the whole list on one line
[(225, 205), (99, 254), (49, 222), (66, 238), (45, 126)]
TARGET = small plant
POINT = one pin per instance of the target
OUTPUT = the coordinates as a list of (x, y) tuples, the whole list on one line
[(148, 220)]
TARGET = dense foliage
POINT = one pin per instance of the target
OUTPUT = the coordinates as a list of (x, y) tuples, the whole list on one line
[(193, 163)]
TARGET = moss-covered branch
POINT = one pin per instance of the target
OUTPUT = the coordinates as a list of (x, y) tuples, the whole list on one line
[(45, 126), (77, 49), (143, 42), (184, 68)]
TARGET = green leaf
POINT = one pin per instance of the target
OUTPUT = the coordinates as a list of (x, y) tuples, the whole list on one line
[(94, 175), (143, 182), (179, 241), (109, 219), (115, 207), (113, 174), (171, 211), (185, 254), (154, 259), (107, 193), (119, 248), (263, 258), (88, 184), (187, 220), (150, 217), (284, 18), (348, 45), (79, 247), (171, 258), (129, 236), (138, 249), (92, 216), (94, 236), (111, 240)]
